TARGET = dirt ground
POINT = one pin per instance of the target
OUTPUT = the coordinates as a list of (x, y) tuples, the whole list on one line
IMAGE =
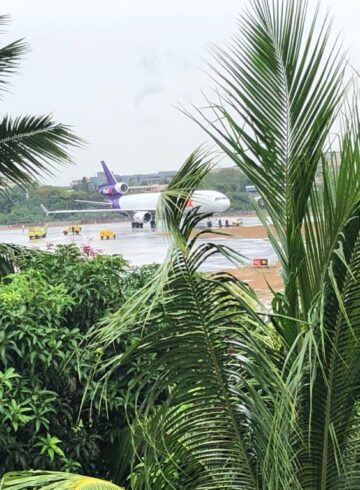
[(260, 279)]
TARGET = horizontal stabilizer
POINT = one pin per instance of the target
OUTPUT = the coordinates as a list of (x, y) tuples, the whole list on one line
[(73, 211), (46, 211)]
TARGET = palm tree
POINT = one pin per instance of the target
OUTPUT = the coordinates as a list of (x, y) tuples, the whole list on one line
[(233, 396), (30, 146), (253, 401)]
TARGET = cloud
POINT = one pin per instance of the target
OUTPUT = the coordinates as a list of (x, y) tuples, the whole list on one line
[(148, 92), (161, 62), (149, 63)]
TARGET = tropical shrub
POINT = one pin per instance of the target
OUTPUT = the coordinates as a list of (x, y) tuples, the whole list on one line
[(45, 310), (41, 383), (94, 281), (138, 278)]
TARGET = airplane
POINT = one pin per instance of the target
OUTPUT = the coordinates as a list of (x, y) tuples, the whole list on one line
[(141, 208)]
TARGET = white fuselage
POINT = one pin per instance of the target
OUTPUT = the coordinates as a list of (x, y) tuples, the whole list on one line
[(207, 201)]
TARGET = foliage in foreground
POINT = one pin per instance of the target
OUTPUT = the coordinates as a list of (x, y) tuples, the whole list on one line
[(242, 399), (54, 481), (233, 396), (46, 309)]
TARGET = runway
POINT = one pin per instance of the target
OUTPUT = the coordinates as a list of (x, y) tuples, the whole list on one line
[(144, 246)]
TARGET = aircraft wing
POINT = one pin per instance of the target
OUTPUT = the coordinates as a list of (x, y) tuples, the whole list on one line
[(62, 211), (100, 203)]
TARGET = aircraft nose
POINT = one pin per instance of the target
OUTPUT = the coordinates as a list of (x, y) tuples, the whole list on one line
[(225, 204)]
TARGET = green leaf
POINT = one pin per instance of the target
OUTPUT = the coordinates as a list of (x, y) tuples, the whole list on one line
[(53, 480)]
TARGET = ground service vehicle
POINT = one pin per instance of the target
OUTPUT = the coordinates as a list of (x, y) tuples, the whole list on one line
[(237, 222), (260, 263), (107, 234), (36, 232), (73, 229)]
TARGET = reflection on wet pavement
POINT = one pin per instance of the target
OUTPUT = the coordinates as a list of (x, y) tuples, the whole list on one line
[(141, 246)]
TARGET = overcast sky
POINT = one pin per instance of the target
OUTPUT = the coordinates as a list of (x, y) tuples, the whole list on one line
[(116, 69)]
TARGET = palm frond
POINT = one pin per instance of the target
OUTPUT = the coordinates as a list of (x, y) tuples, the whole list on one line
[(10, 56), (30, 146), (331, 203), (330, 418), (7, 260), (210, 380), (51, 480), (231, 398), (208, 353), (174, 199), (280, 86)]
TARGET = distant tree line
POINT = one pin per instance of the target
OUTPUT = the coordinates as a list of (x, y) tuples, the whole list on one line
[(18, 206)]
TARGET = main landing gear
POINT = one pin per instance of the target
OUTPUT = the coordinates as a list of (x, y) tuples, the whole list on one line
[(136, 225)]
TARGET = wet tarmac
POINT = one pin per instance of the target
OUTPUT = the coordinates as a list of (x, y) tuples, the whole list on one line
[(144, 246)]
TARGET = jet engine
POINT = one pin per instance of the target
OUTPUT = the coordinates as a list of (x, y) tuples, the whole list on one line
[(121, 187), (142, 217)]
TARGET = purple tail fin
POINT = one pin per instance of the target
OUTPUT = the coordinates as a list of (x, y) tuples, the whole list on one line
[(114, 201), (110, 179)]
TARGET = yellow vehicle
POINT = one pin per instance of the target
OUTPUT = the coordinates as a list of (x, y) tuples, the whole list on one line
[(36, 232), (73, 229), (107, 234)]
